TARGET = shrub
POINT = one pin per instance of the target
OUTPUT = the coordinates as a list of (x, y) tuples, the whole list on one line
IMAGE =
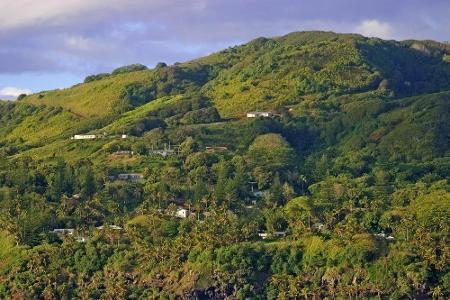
[(203, 115), (129, 68), (21, 96), (96, 77)]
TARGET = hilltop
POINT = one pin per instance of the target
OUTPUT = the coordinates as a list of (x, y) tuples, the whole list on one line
[(305, 64), (338, 189)]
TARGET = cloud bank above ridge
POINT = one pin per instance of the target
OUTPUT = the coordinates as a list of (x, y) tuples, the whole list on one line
[(81, 37)]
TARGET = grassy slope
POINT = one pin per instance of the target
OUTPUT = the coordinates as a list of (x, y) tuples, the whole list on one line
[(140, 112), (302, 67), (412, 127), (33, 126), (74, 150), (95, 99), (41, 128), (270, 73), (274, 72)]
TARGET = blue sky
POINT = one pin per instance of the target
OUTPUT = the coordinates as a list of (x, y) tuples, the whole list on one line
[(49, 44)]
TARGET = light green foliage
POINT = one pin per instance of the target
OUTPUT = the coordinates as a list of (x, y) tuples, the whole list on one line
[(25, 124), (95, 99), (271, 152), (433, 210), (132, 117), (129, 68), (10, 252), (300, 70)]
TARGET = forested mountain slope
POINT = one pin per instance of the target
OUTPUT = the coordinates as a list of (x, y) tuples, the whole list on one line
[(340, 191)]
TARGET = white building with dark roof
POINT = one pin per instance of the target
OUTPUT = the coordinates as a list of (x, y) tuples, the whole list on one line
[(84, 137), (68, 231), (259, 114), (182, 213), (133, 177), (113, 227)]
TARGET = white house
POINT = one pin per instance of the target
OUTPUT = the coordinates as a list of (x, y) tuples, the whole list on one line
[(124, 136), (124, 152), (263, 235), (84, 137), (319, 226), (68, 231), (163, 153), (279, 233), (216, 149), (385, 236), (257, 114), (133, 177), (113, 227), (81, 239), (182, 213)]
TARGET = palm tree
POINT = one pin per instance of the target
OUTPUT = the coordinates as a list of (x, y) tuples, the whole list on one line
[(305, 292), (437, 292), (303, 180), (332, 279)]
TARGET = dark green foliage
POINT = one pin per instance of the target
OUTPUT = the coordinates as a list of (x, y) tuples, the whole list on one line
[(160, 65), (167, 81), (87, 184), (128, 69), (143, 125), (429, 74), (21, 96), (95, 77), (201, 116), (62, 182), (187, 104), (137, 94)]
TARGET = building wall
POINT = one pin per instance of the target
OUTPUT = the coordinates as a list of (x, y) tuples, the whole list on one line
[(84, 137)]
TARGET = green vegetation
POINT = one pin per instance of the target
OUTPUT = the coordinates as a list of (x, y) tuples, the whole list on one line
[(96, 99), (129, 68), (343, 193)]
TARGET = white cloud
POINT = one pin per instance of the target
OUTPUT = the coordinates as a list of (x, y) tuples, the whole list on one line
[(10, 92), (375, 28), (83, 44), (26, 13)]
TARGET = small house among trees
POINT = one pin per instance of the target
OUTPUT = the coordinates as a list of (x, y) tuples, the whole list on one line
[(68, 231), (260, 114), (162, 152), (113, 227), (132, 177), (124, 152), (216, 149), (84, 137), (182, 213)]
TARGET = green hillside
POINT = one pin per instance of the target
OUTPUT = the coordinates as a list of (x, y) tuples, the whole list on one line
[(93, 99), (270, 73), (24, 126), (341, 192)]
